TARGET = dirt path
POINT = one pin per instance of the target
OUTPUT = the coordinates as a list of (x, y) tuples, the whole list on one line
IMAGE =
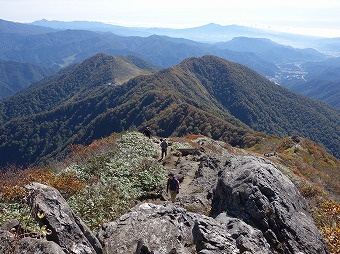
[(184, 168), (193, 194)]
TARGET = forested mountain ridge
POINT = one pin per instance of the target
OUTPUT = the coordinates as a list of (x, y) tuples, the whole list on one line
[(205, 95), (249, 97), (16, 76), (73, 83), (262, 105), (150, 100)]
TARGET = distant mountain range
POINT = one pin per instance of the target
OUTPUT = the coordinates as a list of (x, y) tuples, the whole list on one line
[(58, 49), (55, 49), (271, 51), (8, 27), (211, 33), (205, 95)]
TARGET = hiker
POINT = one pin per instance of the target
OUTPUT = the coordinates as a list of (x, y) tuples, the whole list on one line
[(173, 186), (147, 132), (164, 146)]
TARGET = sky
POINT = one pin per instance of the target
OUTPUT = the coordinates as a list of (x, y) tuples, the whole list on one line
[(311, 17)]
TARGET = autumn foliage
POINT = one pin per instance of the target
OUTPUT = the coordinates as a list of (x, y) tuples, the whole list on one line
[(327, 218), (13, 181)]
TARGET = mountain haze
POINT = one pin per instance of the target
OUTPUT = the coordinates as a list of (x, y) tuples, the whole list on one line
[(92, 26), (331, 45), (205, 95)]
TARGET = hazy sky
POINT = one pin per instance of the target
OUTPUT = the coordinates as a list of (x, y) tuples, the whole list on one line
[(315, 17)]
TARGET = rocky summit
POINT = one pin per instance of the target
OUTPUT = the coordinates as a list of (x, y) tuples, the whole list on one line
[(227, 204)]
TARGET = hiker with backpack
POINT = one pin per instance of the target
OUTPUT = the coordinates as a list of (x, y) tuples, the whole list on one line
[(164, 147), (173, 186)]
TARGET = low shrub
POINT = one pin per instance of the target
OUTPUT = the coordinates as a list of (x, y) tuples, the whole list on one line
[(125, 174)]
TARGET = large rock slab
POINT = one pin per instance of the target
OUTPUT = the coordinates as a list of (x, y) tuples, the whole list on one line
[(68, 230), (253, 190), (150, 228)]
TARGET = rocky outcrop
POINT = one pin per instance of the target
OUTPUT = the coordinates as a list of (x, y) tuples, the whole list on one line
[(67, 230), (254, 209), (150, 228), (252, 189)]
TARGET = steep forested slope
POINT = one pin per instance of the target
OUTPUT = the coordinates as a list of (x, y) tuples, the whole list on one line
[(265, 106), (17, 76)]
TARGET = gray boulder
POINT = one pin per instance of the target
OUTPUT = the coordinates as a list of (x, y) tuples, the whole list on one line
[(248, 239), (150, 228), (12, 225), (11, 244), (68, 230), (253, 190), (7, 242), (30, 245)]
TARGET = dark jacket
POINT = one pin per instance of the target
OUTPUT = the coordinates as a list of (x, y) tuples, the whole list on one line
[(164, 145), (172, 185)]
